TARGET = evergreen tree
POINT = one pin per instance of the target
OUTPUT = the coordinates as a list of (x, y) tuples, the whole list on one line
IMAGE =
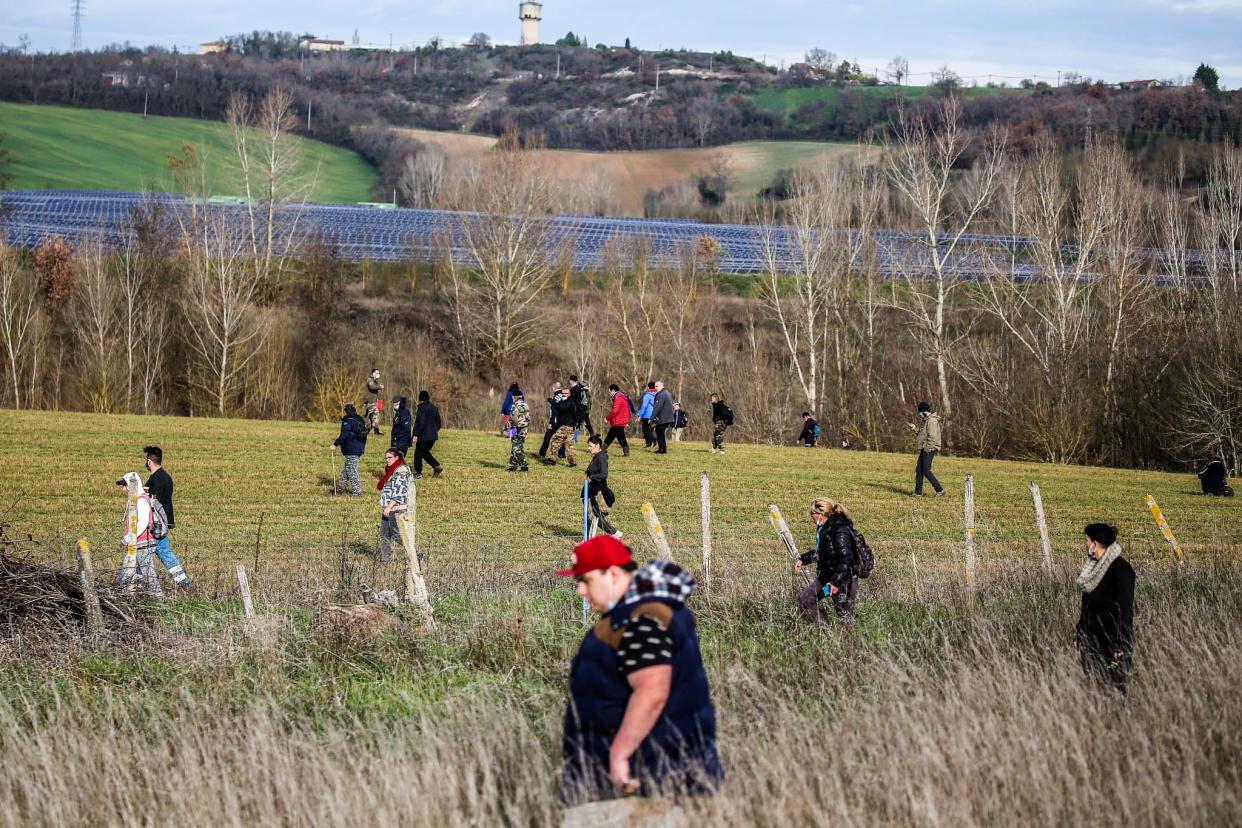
[(1206, 77)]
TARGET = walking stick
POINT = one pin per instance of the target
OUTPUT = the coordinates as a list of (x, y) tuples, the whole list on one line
[(332, 454), (586, 531)]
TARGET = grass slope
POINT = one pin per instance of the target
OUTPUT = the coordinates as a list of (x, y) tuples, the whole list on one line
[(480, 522), (752, 163), (786, 101), (68, 149)]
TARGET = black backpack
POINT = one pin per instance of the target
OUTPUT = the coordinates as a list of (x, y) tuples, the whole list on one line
[(864, 558), (727, 416), (360, 429)]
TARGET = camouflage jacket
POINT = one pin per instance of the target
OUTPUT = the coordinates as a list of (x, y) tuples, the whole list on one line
[(519, 417)]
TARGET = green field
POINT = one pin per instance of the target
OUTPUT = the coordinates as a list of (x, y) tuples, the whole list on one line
[(480, 523), (786, 101), (61, 148), (930, 710)]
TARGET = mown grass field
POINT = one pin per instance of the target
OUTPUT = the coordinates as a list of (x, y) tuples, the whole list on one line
[(60, 148), (788, 100), (479, 522), (751, 163), (929, 710)]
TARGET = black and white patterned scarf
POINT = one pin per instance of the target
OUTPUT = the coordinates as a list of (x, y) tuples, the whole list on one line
[(1093, 571)]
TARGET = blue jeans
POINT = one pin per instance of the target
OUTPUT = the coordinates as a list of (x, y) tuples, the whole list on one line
[(164, 552)]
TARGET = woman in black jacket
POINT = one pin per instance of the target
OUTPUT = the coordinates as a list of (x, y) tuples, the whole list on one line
[(1104, 635), (835, 556), (402, 434)]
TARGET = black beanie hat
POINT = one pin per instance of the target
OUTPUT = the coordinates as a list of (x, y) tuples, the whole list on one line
[(925, 407), (423, 396)]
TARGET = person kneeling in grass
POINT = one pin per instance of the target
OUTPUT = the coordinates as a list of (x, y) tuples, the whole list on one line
[(640, 718), (1104, 635)]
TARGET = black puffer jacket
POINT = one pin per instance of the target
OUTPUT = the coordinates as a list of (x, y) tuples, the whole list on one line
[(402, 423), (564, 412), (427, 422), (833, 552)]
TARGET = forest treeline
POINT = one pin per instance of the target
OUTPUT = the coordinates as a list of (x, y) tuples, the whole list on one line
[(1124, 351), (600, 98)]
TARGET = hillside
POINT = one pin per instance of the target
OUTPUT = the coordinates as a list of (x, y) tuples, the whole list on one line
[(478, 521), (789, 101), (751, 164), (56, 147)]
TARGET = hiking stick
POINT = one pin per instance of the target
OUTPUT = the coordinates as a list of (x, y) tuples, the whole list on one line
[(586, 531), (782, 530), (333, 456)]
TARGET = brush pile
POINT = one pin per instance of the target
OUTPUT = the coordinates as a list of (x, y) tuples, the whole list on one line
[(39, 598)]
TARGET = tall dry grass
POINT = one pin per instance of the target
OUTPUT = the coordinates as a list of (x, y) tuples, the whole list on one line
[(926, 713)]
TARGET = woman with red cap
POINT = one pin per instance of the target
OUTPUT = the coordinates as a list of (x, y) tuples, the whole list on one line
[(640, 717)]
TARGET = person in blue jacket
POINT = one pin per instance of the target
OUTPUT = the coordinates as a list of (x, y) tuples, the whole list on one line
[(402, 434), (506, 407), (640, 718), (645, 410)]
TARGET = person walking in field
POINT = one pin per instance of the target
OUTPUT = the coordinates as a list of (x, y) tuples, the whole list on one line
[(138, 531), (519, 425), (394, 489), (580, 392), (810, 431), (402, 436), (618, 419), (551, 427), (640, 718), (597, 485), (564, 416), (662, 416), (927, 442), (374, 401), (681, 420), (352, 441), (835, 556), (722, 418), (506, 407), (644, 414), (426, 431), (1104, 635), (160, 490)]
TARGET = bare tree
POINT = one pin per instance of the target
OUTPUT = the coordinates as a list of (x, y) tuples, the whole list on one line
[(632, 298), (921, 163), (819, 58), (19, 324), (510, 251), (424, 177), (899, 69), (702, 115), (97, 324)]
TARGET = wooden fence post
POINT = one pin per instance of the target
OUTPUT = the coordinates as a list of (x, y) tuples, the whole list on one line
[(415, 586), (657, 532), (971, 562), (1164, 528), (782, 531), (914, 567), (1045, 543), (705, 496), (247, 604), (90, 597)]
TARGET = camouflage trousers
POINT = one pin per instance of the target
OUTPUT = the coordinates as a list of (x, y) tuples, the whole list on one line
[(718, 436), (372, 416), (517, 450), (349, 476), (564, 436)]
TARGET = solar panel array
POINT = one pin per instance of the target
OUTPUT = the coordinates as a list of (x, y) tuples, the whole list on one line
[(363, 232)]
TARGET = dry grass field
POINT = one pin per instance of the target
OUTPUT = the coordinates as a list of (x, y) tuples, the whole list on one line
[(930, 710), (751, 163)]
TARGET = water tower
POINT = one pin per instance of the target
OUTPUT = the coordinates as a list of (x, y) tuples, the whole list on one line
[(530, 13)]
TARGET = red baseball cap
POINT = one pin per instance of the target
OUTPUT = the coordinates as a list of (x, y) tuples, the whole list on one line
[(600, 552)]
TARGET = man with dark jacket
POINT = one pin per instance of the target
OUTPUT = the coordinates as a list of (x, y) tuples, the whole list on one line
[(373, 400), (160, 490), (927, 442), (580, 393), (551, 427), (810, 430), (1104, 635), (402, 435), (662, 415), (597, 485), (353, 444), (722, 418), (564, 416), (681, 420), (640, 718), (426, 432)]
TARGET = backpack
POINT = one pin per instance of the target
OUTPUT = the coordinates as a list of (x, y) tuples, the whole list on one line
[(815, 430), (584, 397), (727, 416), (864, 558), (360, 429), (630, 401), (159, 520)]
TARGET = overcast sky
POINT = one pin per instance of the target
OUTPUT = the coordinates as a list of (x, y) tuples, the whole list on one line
[(1006, 39)]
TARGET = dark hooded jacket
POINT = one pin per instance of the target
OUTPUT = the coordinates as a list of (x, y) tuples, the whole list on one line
[(351, 426), (427, 422), (680, 752), (834, 551), (402, 426)]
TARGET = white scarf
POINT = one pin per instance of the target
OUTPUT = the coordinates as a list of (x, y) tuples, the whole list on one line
[(1093, 570)]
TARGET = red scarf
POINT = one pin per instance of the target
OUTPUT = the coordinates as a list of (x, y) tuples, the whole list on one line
[(388, 472)]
